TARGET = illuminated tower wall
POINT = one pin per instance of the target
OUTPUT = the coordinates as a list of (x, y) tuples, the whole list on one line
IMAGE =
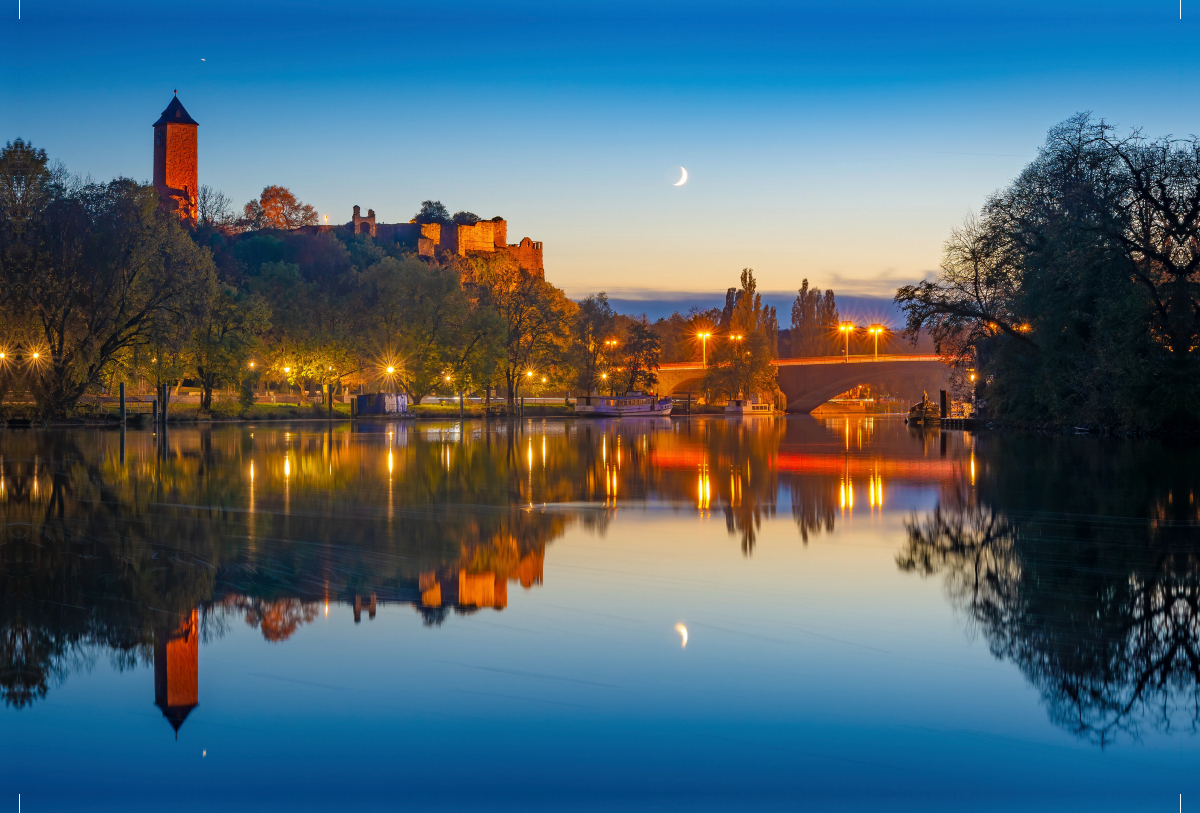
[(176, 161)]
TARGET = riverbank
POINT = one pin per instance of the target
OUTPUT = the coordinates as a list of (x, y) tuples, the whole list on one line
[(271, 412)]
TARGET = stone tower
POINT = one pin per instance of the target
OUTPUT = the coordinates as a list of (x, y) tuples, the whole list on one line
[(175, 161)]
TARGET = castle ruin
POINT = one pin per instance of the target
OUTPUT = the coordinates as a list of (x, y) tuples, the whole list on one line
[(176, 177)]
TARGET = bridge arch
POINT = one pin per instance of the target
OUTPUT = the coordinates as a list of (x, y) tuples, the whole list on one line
[(809, 382)]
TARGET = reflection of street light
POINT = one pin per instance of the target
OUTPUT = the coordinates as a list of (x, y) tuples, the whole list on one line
[(704, 347), (875, 330), (847, 328)]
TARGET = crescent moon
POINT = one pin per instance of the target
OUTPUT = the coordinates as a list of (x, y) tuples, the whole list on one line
[(682, 181), (680, 628)]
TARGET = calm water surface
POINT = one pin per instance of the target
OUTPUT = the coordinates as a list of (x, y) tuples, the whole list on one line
[(656, 614)]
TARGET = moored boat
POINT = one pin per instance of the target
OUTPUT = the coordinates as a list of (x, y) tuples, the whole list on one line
[(633, 403), (748, 406), (925, 412)]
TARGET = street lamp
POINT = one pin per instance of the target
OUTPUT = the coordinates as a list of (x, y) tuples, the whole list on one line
[(876, 330), (704, 337), (847, 328), (391, 370)]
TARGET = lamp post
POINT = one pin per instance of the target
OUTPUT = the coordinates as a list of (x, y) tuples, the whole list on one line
[(876, 330), (847, 328), (704, 337)]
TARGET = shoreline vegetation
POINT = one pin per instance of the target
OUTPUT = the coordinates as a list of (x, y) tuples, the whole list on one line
[(1073, 298), (102, 286)]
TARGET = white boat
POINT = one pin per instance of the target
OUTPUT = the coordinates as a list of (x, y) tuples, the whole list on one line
[(748, 406), (615, 406)]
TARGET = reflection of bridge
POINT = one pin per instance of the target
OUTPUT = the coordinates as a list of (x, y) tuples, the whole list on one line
[(810, 382)]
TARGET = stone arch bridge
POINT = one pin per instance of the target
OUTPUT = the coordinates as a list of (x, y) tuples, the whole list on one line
[(809, 382)]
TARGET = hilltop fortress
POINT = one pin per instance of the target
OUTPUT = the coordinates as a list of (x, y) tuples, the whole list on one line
[(176, 177)]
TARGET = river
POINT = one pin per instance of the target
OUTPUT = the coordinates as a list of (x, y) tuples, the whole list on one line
[(661, 614)]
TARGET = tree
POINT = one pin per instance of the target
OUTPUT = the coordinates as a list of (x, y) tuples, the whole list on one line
[(641, 357), (1076, 292), (536, 317), (432, 211), (466, 218), (422, 324), (594, 325), (740, 360), (225, 340), (87, 270), (215, 208), (309, 340), (814, 319), (278, 208)]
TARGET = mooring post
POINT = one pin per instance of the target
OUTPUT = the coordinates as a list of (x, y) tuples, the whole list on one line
[(154, 412), (945, 406), (122, 420)]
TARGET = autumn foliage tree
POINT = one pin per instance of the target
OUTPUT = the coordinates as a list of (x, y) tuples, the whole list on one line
[(278, 208)]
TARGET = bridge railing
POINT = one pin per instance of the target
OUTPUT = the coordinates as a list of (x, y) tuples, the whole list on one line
[(854, 359)]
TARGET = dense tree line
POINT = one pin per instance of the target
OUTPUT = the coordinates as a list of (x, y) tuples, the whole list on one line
[(1074, 297), (100, 285)]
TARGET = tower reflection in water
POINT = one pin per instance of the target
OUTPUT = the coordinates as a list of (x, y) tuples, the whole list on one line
[(106, 535)]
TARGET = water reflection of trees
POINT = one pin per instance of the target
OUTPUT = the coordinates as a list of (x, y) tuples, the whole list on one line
[(1083, 568), (108, 544), (814, 507)]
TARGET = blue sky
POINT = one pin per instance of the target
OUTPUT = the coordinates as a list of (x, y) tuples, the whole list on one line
[(834, 141)]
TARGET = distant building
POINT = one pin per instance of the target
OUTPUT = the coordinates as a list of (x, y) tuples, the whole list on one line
[(484, 237), (176, 177)]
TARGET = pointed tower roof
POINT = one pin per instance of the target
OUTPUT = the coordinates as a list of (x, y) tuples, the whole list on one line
[(175, 114), (176, 715)]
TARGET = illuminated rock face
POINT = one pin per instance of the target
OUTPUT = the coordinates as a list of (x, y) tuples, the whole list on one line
[(176, 161)]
